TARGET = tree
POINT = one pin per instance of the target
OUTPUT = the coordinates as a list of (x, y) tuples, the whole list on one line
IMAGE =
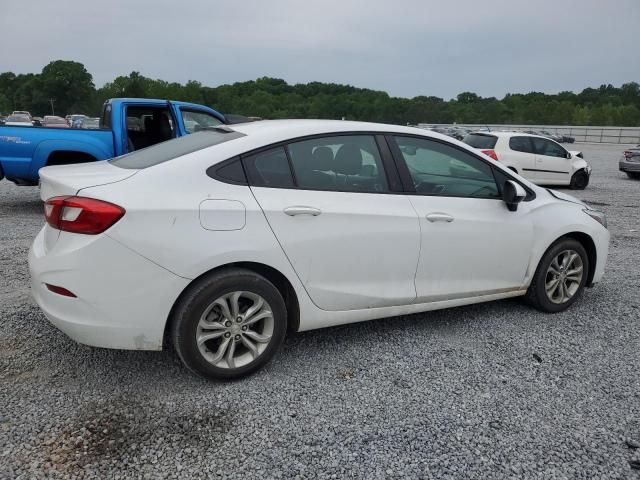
[(68, 83)]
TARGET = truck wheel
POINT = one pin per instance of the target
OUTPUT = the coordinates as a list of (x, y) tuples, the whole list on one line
[(579, 181), (632, 175)]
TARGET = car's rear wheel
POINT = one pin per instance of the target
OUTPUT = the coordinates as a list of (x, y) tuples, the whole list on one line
[(579, 180), (560, 277), (229, 324), (633, 175)]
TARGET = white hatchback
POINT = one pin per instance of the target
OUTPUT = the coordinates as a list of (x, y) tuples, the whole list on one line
[(221, 241), (538, 159)]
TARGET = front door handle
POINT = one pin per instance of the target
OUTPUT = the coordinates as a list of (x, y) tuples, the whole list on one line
[(302, 210), (439, 217)]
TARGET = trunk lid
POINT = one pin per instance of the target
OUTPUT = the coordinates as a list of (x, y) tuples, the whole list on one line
[(69, 179)]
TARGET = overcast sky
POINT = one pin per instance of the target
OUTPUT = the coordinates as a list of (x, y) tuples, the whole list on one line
[(405, 47)]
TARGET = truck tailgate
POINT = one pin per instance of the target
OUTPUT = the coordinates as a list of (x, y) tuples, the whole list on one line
[(68, 179)]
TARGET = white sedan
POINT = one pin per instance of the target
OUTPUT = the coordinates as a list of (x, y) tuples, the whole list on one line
[(221, 241), (538, 159)]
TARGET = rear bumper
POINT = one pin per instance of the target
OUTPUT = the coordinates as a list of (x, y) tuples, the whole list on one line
[(123, 300), (628, 166)]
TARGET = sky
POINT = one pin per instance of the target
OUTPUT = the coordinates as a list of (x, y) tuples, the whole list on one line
[(404, 47)]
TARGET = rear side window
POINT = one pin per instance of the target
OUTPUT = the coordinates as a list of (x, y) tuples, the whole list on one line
[(481, 140), (163, 152), (346, 163), (521, 144), (269, 168)]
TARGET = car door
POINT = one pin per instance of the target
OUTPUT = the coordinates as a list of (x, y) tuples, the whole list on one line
[(194, 120), (352, 241), (520, 156), (552, 165), (471, 244)]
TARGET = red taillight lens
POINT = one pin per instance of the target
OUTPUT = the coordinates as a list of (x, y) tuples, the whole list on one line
[(628, 154), (81, 214), (491, 153)]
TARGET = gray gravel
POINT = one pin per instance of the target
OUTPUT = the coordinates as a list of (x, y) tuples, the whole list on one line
[(486, 391)]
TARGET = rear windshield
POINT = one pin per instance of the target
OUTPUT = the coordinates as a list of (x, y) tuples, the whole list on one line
[(480, 140), (165, 151)]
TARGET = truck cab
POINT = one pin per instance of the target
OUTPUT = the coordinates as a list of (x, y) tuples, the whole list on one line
[(126, 125)]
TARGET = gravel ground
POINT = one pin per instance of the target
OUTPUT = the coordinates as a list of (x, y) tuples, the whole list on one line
[(486, 391)]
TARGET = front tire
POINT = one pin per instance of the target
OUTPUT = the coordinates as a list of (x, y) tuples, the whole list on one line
[(579, 180), (560, 277), (633, 175), (229, 324)]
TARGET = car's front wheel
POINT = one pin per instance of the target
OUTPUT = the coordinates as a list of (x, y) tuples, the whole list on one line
[(560, 277), (229, 324), (579, 180), (633, 175)]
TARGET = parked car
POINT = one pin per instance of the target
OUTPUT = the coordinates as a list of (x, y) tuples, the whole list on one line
[(73, 119), (567, 138), (221, 241), (17, 120), (538, 159), (23, 153), (630, 162), (37, 121), (22, 112), (90, 123), (51, 121)]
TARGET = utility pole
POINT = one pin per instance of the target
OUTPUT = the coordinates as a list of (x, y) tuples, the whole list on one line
[(51, 100)]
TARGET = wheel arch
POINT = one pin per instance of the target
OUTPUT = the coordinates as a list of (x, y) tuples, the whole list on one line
[(279, 280), (589, 245)]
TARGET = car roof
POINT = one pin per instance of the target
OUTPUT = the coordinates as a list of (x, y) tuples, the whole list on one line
[(504, 134), (281, 130)]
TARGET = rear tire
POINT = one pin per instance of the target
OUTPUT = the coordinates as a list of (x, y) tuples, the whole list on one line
[(632, 175), (579, 180), (214, 328), (544, 293)]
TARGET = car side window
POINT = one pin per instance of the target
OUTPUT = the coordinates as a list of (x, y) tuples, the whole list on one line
[(542, 146), (521, 144), (439, 169), (194, 121), (348, 163), (269, 168)]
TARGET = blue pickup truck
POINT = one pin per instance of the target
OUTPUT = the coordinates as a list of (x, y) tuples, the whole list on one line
[(126, 125)]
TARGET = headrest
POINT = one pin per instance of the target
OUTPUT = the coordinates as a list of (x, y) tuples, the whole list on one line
[(348, 160)]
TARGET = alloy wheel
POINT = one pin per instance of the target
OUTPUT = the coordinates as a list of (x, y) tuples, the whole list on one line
[(235, 329), (564, 276)]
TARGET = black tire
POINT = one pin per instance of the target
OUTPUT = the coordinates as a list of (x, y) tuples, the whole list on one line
[(579, 180), (631, 175), (536, 295), (187, 313)]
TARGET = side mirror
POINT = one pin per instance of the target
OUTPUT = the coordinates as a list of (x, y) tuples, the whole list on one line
[(568, 155), (513, 194)]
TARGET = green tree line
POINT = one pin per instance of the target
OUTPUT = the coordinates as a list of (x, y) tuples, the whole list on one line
[(67, 87)]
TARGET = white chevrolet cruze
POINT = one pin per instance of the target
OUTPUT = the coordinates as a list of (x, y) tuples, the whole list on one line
[(221, 241)]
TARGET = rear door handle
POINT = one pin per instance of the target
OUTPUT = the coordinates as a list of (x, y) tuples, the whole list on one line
[(439, 217), (302, 210)]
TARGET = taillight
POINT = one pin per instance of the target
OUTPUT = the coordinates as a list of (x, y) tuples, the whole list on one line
[(628, 154), (491, 153), (81, 214)]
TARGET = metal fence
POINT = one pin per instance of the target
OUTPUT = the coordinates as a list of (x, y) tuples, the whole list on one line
[(627, 135)]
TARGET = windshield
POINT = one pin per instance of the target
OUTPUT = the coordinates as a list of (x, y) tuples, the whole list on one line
[(165, 151)]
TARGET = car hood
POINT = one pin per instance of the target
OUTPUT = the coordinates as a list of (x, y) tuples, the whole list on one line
[(566, 198)]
